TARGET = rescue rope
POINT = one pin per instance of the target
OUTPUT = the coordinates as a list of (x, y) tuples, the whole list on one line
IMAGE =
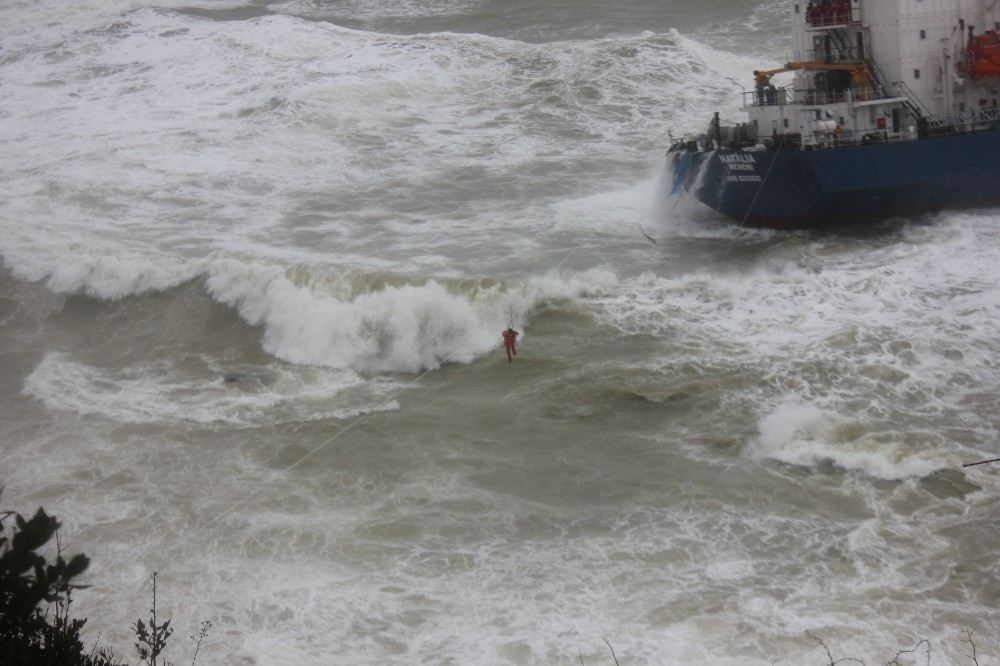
[(643, 232), (263, 485), (316, 450), (760, 189), (746, 216)]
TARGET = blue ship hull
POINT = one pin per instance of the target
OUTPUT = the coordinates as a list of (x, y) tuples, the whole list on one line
[(782, 188)]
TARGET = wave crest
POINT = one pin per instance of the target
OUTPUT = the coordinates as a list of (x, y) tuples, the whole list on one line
[(400, 327), (807, 436)]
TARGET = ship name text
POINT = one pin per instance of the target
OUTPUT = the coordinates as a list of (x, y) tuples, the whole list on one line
[(737, 158), (740, 162)]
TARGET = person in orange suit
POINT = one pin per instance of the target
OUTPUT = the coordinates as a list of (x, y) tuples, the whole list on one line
[(509, 343)]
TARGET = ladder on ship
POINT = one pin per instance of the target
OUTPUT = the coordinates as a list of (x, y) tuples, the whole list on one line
[(900, 89), (912, 103)]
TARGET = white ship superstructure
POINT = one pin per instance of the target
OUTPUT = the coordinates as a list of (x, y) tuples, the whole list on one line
[(879, 70)]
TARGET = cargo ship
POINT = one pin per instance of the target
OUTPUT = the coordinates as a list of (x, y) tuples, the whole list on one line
[(892, 109)]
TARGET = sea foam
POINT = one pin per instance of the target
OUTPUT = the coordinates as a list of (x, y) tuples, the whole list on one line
[(806, 436), (402, 328), (199, 390)]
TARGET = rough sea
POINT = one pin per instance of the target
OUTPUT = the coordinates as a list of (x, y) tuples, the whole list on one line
[(256, 260)]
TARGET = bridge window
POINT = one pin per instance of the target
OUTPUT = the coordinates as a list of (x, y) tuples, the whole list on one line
[(923, 34), (916, 73)]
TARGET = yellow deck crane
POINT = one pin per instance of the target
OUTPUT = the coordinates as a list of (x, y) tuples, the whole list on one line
[(861, 74)]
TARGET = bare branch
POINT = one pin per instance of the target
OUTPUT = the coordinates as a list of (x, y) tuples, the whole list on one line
[(206, 625), (968, 639), (820, 643), (613, 656), (829, 655), (923, 641)]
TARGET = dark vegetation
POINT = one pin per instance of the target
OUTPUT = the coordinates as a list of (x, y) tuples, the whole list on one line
[(36, 627)]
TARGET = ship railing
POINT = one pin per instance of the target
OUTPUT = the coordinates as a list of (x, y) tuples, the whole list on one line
[(856, 93), (959, 123), (846, 137), (775, 96), (768, 96), (745, 136), (829, 140), (965, 121), (837, 55)]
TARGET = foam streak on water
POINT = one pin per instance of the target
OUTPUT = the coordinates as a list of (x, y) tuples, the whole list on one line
[(256, 261)]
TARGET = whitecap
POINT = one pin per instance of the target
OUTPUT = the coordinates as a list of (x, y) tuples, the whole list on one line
[(807, 436)]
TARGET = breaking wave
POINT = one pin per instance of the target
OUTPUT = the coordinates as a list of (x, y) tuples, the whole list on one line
[(405, 326), (807, 436), (348, 319)]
